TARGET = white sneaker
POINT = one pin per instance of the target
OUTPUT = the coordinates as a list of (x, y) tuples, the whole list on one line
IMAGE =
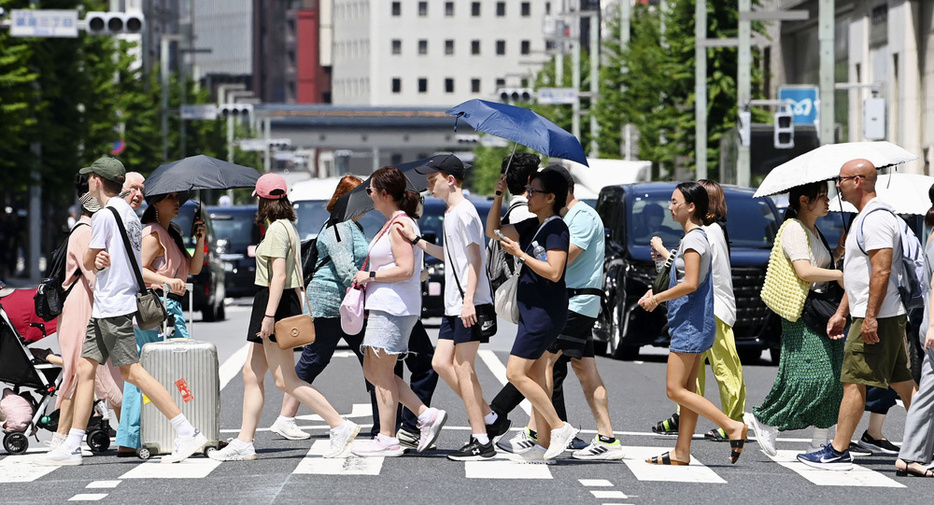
[(560, 437), (765, 435), (288, 430), (380, 446), (236, 450), (431, 429), (57, 439), (518, 444), (533, 456), (598, 450), (341, 437), (61, 457), (185, 447)]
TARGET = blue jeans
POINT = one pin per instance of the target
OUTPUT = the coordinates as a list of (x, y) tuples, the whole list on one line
[(128, 431), (328, 334)]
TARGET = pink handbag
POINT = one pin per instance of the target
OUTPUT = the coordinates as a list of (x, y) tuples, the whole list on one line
[(352, 312)]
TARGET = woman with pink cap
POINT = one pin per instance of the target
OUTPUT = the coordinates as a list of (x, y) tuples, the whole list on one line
[(280, 297)]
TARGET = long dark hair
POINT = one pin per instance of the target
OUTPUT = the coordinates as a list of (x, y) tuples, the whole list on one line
[(391, 180), (929, 217), (555, 183), (696, 194), (273, 210), (149, 217), (810, 191)]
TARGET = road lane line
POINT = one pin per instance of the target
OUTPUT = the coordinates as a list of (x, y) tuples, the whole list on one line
[(695, 472), (498, 369), (191, 468), (233, 365), (23, 468), (103, 484), (314, 464), (609, 494), (595, 482), (88, 497), (857, 477), (505, 469)]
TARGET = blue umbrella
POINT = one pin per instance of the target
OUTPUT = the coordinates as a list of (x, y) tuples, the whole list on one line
[(522, 126)]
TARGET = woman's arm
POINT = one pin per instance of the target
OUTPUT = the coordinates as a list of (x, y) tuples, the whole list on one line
[(196, 262), (692, 259), (494, 218), (810, 273), (276, 285), (340, 252), (553, 266), (403, 253), (152, 249)]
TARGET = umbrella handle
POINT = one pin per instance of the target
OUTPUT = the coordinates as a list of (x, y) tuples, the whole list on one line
[(509, 163), (458, 116)]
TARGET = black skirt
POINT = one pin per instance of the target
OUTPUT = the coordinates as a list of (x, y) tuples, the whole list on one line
[(289, 305)]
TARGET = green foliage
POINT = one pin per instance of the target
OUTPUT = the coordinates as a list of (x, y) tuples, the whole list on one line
[(17, 100), (487, 165)]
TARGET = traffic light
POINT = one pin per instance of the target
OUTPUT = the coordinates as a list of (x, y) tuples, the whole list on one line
[(279, 143), (784, 130), (114, 23), (235, 109), (745, 127), (512, 95)]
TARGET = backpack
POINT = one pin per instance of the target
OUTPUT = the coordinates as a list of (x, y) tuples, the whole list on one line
[(499, 264), (50, 297), (310, 263), (912, 282)]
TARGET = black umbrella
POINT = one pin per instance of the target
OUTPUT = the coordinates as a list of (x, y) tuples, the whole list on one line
[(357, 202), (197, 173)]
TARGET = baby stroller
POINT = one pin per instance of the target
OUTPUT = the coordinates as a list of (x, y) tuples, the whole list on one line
[(23, 371)]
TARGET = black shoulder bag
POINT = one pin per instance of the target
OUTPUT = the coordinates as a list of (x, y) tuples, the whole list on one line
[(820, 307), (150, 312), (486, 313)]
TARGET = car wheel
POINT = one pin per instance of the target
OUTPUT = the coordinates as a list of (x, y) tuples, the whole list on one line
[(617, 349), (209, 313), (221, 312), (749, 356), (775, 353)]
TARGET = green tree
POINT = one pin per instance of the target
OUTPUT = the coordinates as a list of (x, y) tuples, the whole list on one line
[(17, 102)]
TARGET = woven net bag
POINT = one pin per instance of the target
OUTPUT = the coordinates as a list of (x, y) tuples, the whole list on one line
[(783, 291)]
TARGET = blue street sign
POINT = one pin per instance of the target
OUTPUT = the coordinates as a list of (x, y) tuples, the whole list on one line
[(803, 101)]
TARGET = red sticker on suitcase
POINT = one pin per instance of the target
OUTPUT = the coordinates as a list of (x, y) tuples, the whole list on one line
[(182, 386)]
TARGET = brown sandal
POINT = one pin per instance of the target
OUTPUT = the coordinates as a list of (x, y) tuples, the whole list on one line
[(912, 468), (736, 446), (665, 459)]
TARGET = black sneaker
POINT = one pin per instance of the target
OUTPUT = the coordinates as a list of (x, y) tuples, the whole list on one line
[(859, 452), (877, 444), (473, 451), (498, 428), (576, 444)]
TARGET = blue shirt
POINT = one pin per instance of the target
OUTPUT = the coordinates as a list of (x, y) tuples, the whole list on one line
[(587, 232), (345, 257)]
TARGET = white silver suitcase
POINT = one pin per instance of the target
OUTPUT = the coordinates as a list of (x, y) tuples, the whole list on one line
[(188, 369)]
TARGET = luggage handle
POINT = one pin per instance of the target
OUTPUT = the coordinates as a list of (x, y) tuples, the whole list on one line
[(191, 308)]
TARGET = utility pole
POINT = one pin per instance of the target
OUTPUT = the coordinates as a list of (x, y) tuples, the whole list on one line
[(594, 81), (825, 34), (625, 18), (700, 88), (744, 85)]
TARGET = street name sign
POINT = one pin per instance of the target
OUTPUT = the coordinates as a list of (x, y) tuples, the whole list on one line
[(43, 23)]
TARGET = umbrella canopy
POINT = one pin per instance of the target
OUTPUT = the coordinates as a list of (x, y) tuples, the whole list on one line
[(823, 164), (906, 193), (357, 202), (522, 126), (197, 173)]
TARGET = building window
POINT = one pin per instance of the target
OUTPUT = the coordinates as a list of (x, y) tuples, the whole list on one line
[(500, 83), (397, 8), (396, 46), (500, 9), (423, 46), (547, 8), (422, 85), (448, 47), (500, 47), (422, 9), (396, 85), (449, 9), (526, 47), (475, 9), (395, 159), (525, 9), (475, 47), (449, 85), (475, 85)]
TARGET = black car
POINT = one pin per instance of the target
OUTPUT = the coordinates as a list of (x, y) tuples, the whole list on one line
[(629, 269), (237, 235), (208, 292)]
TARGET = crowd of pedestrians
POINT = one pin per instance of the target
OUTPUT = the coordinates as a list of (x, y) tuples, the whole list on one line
[(835, 362)]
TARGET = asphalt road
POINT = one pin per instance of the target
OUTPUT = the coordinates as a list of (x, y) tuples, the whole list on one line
[(288, 472)]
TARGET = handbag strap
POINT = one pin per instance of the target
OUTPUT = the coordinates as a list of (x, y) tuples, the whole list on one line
[(388, 226), (129, 250), (454, 271), (298, 266)]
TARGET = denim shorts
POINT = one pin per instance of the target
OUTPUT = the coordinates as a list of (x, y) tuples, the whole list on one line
[(387, 332)]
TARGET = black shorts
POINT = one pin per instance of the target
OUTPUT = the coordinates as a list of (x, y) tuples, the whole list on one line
[(452, 328), (289, 305), (576, 339)]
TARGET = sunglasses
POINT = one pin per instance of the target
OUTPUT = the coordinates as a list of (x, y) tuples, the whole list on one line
[(845, 177), (532, 190), (369, 191)]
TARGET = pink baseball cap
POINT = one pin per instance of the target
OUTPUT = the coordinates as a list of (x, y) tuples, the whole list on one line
[(271, 187)]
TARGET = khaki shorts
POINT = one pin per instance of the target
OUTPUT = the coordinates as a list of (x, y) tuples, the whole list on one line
[(878, 364), (111, 337)]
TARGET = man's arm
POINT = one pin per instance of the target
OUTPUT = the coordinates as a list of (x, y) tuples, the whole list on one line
[(881, 260)]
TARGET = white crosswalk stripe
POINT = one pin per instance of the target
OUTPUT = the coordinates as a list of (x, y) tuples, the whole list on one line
[(314, 464), (500, 467), (22, 469), (191, 468), (857, 477), (695, 472)]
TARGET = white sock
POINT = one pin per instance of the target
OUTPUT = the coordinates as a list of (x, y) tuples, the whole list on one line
[(74, 440), (539, 447), (490, 418), (183, 428), (283, 419), (387, 440), (427, 415), (481, 438), (819, 436)]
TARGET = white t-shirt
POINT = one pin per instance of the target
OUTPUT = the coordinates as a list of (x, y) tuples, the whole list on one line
[(519, 212), (795, 245), (462, 227), (724, 303), (693, 241), (116, 286), (880, 231)]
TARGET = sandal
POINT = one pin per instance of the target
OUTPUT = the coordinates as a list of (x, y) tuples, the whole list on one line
[(668, 426), (665, 459), (736, 446), (913, 468), (716, 435)]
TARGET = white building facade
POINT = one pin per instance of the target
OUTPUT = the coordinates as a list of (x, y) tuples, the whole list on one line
[(434, 53)]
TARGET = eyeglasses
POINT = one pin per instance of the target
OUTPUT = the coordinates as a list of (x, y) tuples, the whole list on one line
[(845, 177), (532, 190)]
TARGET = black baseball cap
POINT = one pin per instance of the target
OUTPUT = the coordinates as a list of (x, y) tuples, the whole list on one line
[(448, 164)]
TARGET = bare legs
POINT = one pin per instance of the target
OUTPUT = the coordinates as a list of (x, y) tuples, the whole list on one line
[(378, 368)]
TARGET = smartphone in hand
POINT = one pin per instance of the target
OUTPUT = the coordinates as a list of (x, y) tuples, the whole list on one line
[(195, 220), (499, 234)]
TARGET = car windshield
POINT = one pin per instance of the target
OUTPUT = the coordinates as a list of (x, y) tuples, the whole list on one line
[(186, 214), (312, 214), (649, 217), (237, 227)]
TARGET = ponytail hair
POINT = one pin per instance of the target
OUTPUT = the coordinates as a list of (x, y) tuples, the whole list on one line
[(391, 180), (696, 194), (409, 203), (810, 191), (929, 217)]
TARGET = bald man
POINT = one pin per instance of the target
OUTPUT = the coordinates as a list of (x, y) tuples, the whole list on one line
[(133, 189), (874, 353)]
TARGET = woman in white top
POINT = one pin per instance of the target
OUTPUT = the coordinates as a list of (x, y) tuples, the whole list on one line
[(391, 277)]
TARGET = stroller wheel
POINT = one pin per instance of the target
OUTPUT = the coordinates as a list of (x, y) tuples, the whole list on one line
[(15, 443), (98, 441)]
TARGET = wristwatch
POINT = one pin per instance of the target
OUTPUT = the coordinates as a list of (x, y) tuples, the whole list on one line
[(416, 239), (372, 274), (521, 259)]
